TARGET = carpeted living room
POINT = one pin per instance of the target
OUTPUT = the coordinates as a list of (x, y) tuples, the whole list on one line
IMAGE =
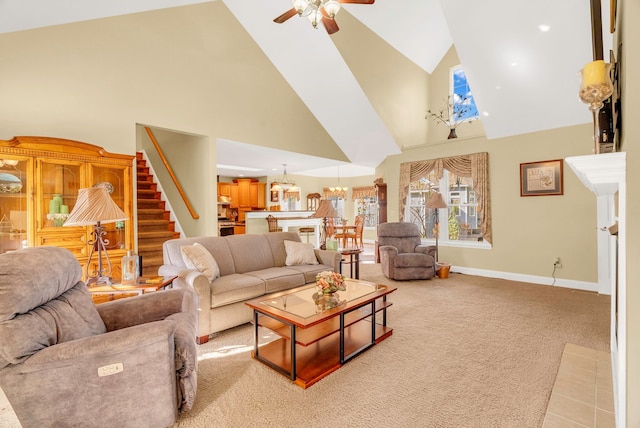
[(465, 351), (534, 324)]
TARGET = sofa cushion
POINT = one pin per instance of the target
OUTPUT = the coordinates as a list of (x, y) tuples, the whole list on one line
[(279, 278), (235, 288), (199, 258), (217, 246), (250, 252), (299, 253), (309, 271), (276, 242)]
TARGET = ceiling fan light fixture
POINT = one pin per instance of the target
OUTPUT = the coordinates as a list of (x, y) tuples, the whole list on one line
[(332, 7), (300, 6), (315, 17)]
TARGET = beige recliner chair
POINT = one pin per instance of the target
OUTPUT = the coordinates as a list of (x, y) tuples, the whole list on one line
[(402, 256), (67, 362)]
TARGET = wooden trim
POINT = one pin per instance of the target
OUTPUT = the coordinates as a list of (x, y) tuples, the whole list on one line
[(173, 176)]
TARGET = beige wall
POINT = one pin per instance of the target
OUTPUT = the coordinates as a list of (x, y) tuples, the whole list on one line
[(187, 156), (173, 68), (528, 232), (629, 34)]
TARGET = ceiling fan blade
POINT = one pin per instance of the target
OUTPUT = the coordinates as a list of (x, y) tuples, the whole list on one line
[(330, 24), (357, 1), (288, 14)]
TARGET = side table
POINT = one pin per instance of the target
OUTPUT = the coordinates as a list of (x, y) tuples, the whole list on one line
[(354, 260), (143, 285)]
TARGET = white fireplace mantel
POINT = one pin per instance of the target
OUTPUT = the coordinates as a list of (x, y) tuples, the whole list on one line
[(601, 173), (605, 175)]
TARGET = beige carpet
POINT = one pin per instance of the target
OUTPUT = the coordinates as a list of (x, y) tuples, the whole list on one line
[(465, 352)]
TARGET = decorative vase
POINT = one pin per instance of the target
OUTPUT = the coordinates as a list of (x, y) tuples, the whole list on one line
[(324, 302), (452, 134)]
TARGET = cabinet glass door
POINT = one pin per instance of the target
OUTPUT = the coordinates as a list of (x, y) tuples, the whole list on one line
[(14, 203), (113, 178), (59, 185)]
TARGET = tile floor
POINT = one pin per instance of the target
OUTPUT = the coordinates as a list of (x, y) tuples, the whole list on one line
[(582, 394)]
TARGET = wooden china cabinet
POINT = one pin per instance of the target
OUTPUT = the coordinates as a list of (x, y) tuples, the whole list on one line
[(39, 182)]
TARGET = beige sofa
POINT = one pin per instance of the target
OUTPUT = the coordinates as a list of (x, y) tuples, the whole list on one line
[(250, 266)]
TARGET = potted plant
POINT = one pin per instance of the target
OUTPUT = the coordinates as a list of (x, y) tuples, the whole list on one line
[(453, 114)]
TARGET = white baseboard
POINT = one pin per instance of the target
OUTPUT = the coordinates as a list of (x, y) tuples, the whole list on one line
[(534, 279)]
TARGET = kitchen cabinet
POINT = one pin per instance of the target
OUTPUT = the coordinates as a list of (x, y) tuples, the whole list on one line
[(259, 195), (224, 189), (244, 192), (234, 195), (39, 182), (239, 229)]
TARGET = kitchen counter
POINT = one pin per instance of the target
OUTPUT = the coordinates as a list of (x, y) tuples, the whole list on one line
[(288, 220)]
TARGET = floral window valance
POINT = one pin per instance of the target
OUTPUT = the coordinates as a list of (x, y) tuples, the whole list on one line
[(328, 193), (288, 194), (475, 165), (363, 192)]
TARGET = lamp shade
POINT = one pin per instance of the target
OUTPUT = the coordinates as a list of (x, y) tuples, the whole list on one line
[(94, 205), (325, 210), (436, 201)]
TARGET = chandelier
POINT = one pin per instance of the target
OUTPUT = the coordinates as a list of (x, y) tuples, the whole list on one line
[(283, 183), (338, 188), (314, 10)]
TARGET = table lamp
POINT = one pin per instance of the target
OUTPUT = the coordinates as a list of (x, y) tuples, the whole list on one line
[(325, 210), (435, 202), (95, 207)]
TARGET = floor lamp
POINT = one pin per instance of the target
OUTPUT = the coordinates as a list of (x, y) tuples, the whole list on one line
[(325, 210), (95, 207), (436, 202)]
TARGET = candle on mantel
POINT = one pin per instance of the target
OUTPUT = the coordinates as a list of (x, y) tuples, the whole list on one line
[(593, 73)]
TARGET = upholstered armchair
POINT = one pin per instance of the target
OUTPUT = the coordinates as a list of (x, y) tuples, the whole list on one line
[(402, 256), (65, 361)]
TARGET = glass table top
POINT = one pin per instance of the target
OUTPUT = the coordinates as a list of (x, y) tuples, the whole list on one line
[(301, 303)]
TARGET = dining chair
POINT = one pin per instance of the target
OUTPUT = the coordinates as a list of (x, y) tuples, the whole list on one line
[(340, 234), (359, 230), (355, 235), (273, 224)]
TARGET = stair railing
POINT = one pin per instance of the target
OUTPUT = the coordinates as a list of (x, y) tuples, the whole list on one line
[(173, 176)]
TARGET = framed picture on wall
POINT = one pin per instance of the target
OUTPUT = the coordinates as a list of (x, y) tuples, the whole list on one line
[(274, 194), (541, 178)]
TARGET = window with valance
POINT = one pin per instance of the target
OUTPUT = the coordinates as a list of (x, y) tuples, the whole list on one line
[(333, 194), (365, 202), (463, 182)]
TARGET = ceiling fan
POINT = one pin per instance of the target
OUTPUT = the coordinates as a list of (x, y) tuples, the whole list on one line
[(318, 10)]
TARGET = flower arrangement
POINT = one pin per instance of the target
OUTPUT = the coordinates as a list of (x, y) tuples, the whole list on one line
[(454, 114), (329, 282)]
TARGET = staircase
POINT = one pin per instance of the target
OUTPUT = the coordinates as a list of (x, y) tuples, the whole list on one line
[(154, 224)]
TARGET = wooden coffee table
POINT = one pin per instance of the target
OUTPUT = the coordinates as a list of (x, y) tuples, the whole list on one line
[(310, 343)]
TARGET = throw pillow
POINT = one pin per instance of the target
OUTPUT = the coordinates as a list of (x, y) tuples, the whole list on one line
[(299, 253), (197, 257)]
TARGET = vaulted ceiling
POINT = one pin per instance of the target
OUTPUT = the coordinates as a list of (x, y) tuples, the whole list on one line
[(523, 76)]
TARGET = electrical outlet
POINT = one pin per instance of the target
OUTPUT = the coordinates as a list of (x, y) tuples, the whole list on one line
[(557, 263)]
